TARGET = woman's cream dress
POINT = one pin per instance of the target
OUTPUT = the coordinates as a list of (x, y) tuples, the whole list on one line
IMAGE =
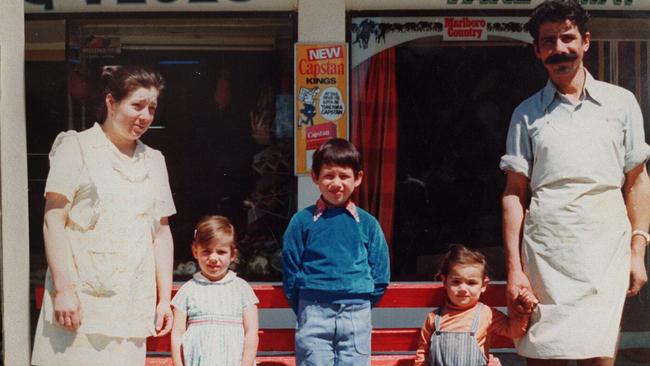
[(117, 203)]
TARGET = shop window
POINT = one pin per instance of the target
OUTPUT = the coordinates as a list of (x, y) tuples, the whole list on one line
[(431, 107), (223, 123)]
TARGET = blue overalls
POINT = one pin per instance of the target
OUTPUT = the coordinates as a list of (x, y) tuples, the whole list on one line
[(456, 348)]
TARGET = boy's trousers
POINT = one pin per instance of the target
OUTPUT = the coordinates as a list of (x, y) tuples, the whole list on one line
[(333, 334)]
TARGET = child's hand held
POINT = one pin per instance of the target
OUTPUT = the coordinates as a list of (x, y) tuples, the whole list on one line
[(527, 300)]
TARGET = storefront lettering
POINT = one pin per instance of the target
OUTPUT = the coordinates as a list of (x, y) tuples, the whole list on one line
[(528, 2), (315, 69), (49, 4), (326, 81), (325, 53), (489, 2), (465, 28), (318, 134)]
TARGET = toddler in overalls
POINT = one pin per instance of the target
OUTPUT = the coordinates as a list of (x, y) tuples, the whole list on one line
[(459, 333)]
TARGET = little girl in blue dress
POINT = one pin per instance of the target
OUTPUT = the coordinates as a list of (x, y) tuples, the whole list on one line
[(215, 313)]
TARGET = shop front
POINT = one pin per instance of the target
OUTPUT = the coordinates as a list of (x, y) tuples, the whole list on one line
[(430, 89)]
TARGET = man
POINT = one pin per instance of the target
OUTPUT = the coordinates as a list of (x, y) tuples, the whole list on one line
[(576, 206)]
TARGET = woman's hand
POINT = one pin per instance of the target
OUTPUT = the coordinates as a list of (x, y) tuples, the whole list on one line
[(67, 309), (163, 247), (164, 318)]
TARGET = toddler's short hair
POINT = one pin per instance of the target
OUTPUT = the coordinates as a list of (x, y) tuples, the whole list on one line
[(214, 227), (339, 152), (459, 254)]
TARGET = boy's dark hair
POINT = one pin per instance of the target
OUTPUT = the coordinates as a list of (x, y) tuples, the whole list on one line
[(339, 152), (557, 11), (459, 254)]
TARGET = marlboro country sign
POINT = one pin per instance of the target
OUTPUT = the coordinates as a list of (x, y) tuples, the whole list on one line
[(460, 29), (321, 98)]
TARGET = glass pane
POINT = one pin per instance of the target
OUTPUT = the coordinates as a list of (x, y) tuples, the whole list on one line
[(453, 102), (224, 120)]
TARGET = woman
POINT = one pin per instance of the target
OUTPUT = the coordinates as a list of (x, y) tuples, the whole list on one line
[(107, 238)]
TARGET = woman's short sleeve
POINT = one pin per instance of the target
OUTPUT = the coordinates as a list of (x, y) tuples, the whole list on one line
[(637, 150), (164, 201), (518, 157), (66, 165)]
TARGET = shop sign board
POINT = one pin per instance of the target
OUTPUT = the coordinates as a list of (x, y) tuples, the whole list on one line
[(464, 29), (321, 98), (371, 35), (624, 5), (94, 6), (101, 6)]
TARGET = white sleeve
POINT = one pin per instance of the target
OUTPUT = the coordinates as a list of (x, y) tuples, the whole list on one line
[(66, 165)]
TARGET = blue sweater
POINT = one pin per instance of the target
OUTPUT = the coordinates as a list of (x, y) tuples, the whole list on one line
[(335, 256)]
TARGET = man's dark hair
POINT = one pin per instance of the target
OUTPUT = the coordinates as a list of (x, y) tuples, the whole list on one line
[(339, 152), (557, 11)]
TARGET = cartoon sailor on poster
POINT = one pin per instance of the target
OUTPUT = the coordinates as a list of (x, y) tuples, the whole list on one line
[(308, 98)]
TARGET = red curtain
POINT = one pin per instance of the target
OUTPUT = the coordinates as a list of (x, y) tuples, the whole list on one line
[(374, 132)]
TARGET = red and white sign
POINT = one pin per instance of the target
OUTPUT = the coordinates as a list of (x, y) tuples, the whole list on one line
[(319, 134), (464, 29), (324, 53)]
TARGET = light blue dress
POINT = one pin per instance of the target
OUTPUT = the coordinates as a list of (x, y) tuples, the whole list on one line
[(215, 329)]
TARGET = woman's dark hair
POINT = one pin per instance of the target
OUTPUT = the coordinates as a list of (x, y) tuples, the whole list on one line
[(214, 227), (120, 80), (557, 11), (459, 254), (339, 152)]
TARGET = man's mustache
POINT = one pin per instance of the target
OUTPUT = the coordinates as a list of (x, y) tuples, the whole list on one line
[(561, 57)]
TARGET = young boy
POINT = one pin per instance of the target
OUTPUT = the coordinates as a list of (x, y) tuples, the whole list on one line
[(335, 264)]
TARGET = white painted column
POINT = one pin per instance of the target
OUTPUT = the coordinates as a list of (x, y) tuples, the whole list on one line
[(14, 231), (318, 21)]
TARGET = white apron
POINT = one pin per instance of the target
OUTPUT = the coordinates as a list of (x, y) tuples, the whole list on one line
[(576, 240)]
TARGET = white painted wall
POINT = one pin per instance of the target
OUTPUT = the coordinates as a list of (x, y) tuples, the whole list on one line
[(14, 228)]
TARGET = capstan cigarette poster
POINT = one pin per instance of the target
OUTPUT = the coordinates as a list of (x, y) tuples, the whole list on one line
[(321, 98)]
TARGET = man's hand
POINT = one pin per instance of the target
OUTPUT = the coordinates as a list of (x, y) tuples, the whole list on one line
[(517, 281), (67, 309), (164, 318), (638, 276)]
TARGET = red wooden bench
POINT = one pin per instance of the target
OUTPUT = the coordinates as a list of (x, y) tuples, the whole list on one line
[(390, 346)]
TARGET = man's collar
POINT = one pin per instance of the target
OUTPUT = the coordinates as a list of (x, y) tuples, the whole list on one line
[(322, 206), (594, 89), (548, 94), (591, 88)]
